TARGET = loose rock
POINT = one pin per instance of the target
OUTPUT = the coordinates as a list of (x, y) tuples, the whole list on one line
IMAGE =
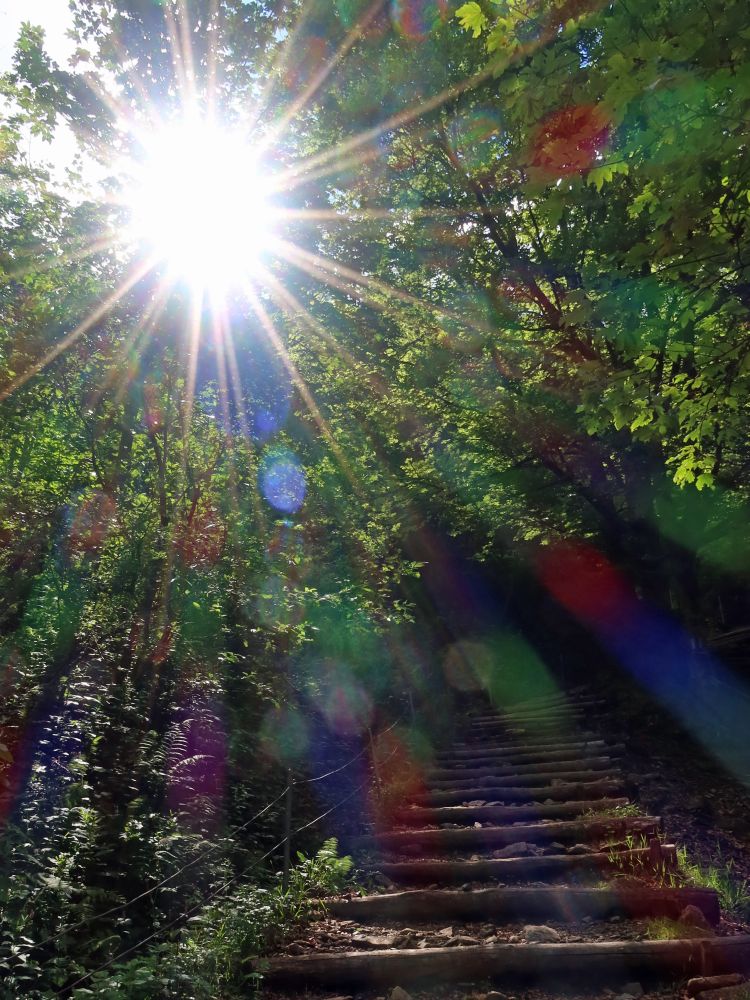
[(580, 849), (519, 850), (540, 934), (460, 940), (397, 993), (374, 941), (383, 880), (694, 917), (632, 990)]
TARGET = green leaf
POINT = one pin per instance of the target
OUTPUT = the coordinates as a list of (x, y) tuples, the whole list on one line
[(472, 18)]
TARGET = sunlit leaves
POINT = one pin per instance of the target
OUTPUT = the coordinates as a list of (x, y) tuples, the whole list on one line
[(472, 18)]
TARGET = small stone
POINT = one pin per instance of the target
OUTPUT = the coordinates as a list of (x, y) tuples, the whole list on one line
[(557, 845), (374, 941), (295, 948), (588, 920), (460, 940), (540, 934), (383, 880), (477, 826), (397, 993), (474, 857), (615, 920), (518, 850), (446, 932), (580, 849), (633, 990), (406, 938), (466, 887), (694, 917)]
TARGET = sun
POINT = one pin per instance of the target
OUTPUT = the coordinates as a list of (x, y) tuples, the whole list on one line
[(199, 202)]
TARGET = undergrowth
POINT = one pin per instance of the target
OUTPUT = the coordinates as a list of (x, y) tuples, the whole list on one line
[(732, 889), (218, 952), (664, 929), (629, 809), (720, 874)]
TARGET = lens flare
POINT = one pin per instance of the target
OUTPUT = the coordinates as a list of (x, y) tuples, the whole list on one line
[(200, 203), (282, 481)]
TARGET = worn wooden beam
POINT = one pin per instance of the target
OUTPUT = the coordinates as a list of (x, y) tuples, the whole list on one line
[(564, 903), (508, 749), (420, 872), (504, 814), (580, 963), (437, 776), (561, 792), (510, 761)]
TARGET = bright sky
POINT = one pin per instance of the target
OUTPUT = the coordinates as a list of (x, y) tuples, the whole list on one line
[(52, 15)]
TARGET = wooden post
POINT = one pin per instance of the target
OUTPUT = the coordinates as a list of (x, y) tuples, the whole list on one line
[(287, 830)]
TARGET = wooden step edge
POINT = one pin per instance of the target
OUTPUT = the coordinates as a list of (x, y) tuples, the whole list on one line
[(558, 718), (570, 744), (561, 903), (530, 778), (489, 748), (530, 739), (655, 856), (593, 828), (489, 814), (541, 712), (613, 750), (585, 962), (578, 691), (502, 771), (567, 791), (564, 712)]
